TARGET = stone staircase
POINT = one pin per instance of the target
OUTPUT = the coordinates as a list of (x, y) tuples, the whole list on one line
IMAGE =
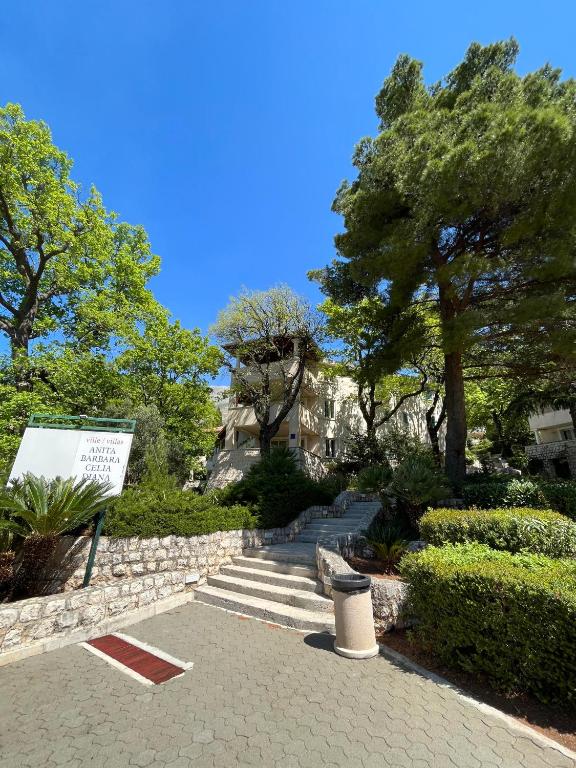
[(278, 583)]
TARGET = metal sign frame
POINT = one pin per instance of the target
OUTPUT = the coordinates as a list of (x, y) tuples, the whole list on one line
[(92, 423)]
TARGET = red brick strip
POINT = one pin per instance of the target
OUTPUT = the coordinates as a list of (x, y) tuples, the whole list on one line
[(142, 662)]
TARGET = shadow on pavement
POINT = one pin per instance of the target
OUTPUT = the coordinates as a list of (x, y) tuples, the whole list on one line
[(322, 641)]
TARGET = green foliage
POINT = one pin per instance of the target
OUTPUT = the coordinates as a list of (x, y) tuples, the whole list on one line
[(512, 529), (501, 407), (561, 495), (503, 491), (154, 510), (39, 510), (374, 478), (274, 333), (277, 490), (509, 617), (66, 264), (417, 482), (51, 507), (85, 332), (394, 445), (466, 199), (389, 541)]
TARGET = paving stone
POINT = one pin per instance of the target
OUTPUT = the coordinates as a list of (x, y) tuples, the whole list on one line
[(255, 696)]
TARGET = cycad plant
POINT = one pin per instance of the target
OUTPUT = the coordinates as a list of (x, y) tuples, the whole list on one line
[(417, 482), (40, 511), (389, 542)]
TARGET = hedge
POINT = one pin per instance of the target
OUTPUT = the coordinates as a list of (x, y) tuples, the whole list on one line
[(277, 490), (502, 491), (512, 529), (146, 512), (511, 618)]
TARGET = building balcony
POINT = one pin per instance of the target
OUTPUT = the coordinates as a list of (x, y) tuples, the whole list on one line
[(550, 420)]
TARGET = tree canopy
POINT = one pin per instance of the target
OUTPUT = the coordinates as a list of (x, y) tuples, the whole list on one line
[(67, 265), (466, 202), (85, 333), (273, 333)]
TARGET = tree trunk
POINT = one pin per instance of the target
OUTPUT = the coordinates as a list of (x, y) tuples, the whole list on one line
[(456, 431), (266, 435), (433, 428), (19, 351)]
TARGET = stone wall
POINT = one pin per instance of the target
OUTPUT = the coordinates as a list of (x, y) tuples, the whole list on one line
[(43, 623), (120, 558), (548, 452)]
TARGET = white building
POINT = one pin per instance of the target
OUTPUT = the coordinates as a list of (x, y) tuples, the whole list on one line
[(555, 450), (316, 428)]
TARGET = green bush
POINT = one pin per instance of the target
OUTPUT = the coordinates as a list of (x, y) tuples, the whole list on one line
[(417, 482), (148, 512), (513, 529), (389, 540), (503, 491), (506, 492), (561, 495), (374, 478), (509, 617), (277, 490)]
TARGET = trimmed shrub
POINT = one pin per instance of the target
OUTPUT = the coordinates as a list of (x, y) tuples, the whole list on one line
[(561, 495), (509, 492), (277, 490), (509, 617), (503, 491), (148, 512), (514, 529)]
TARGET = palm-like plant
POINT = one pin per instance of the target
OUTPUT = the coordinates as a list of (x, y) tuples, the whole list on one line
[(418, 482), (40, 511), (389, 542)]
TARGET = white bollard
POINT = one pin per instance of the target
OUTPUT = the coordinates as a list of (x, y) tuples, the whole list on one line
[(355, 635)]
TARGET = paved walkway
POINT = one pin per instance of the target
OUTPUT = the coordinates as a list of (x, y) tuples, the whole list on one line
[(257, 695)]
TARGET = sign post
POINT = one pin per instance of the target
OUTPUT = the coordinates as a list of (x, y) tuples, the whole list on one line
[(77, 446)]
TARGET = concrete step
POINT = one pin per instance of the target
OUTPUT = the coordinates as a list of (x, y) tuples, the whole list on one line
[(288, 581), (344, 526), (287, 615), (306, 571), (313, 536), (296, 553), (287, 596)]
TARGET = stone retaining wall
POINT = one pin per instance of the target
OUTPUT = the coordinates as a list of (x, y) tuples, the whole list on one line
[(120, 558), (389, 596), (547, 453), (43, 623)]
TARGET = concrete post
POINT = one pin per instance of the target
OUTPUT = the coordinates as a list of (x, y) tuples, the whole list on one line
[(355, 634)]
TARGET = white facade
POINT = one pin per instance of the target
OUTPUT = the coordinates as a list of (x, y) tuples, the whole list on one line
[(551, 426), (317, 427), (555, 451)]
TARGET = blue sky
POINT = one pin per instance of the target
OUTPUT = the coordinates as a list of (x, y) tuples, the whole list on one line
[(226, 126)]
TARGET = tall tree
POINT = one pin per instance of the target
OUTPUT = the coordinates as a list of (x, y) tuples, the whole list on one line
[(66, 264), (168, 367), (467, 200), (273, 333), (371, 358)]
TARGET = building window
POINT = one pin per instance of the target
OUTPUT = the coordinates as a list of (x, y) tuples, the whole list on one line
[(405, 419), (330, 447), (567, 434), (329, 409)]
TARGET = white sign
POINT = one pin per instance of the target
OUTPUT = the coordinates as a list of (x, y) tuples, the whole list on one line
[(51, 453)]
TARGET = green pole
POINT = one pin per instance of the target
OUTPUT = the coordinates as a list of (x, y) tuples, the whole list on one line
[(94, 547)]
